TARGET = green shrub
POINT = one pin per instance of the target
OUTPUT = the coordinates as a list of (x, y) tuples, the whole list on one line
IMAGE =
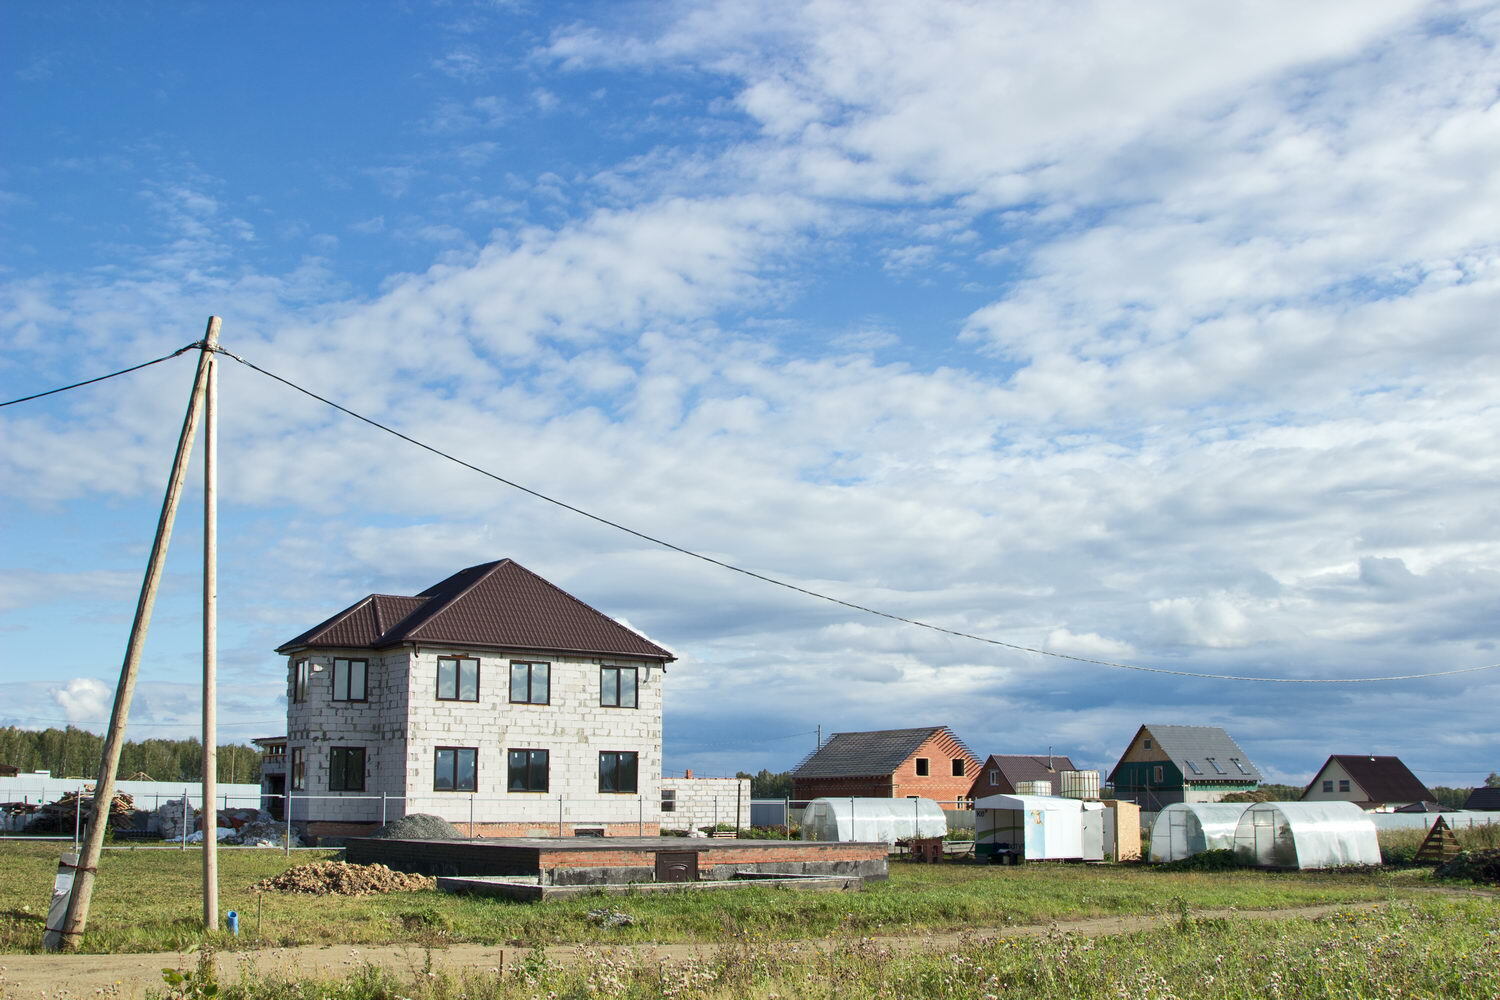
[(1207, 861)]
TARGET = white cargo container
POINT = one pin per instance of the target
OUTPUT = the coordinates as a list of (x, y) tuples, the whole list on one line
[(1038, 828)]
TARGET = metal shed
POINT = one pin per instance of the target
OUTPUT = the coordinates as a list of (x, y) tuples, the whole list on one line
[(1306, 835), (1038, 828), (1187, 828)]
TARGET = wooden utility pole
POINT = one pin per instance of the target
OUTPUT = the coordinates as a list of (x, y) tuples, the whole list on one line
[(211, 629), (77, 915)]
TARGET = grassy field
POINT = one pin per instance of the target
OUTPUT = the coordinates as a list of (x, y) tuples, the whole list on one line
[(146, 900), (1429, 949)]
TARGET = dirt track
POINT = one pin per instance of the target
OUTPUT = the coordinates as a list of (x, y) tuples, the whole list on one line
[(27, 977)]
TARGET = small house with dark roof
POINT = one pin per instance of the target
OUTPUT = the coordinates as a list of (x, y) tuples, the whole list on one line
[(1484, 797), (929, 762), (1001, 773), (1378, 784), (1168, 764), (493, 699)]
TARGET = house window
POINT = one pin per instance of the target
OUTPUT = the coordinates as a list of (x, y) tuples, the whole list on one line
[(457, 678), (1158, 774), (1193, 766), (349, 678), (617, 771), (456, 769), (1215, 765), (923, 768), (1328, 785), (300, 675), (1146, 744), (617, 687), (299, 768), (994, 779), (668, 800), (958, 767), (346, 769), (530, 683), (1236, 762), (1343, 784), (528, 771)]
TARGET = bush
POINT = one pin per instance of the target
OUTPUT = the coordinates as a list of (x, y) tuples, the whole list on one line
[(1207, 861), (1477, 866)]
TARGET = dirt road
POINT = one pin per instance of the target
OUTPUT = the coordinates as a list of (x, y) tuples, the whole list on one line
[(59, 977)]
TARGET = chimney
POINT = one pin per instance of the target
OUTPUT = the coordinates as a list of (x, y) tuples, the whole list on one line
[(688, 773)]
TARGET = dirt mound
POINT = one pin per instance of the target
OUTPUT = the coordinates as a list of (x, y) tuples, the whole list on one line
[(419, 826), (1481, 866), (339, 878)]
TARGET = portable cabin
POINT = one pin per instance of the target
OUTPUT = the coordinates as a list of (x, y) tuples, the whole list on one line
[(1038, 828), (1187, 828), (868, 820), (1306, 835)]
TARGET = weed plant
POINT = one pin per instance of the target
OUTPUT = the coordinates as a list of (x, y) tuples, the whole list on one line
[(1432, 949)]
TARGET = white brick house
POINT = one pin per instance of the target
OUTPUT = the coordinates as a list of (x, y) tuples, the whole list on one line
[(492, 697)]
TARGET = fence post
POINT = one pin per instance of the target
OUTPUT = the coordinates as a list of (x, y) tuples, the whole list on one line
[(559, 815), (77, 817), (640, 815), (382, 808), (786, 817), (286, 800), (738, 788), (184, 820), (471, 815)]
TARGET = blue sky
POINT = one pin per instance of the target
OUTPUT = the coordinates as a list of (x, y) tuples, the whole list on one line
[(1160, 335)]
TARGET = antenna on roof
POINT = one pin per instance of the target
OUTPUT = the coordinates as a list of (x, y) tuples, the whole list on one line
[(1049, 758)]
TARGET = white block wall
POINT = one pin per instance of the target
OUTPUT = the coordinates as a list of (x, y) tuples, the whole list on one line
[(704, 802)]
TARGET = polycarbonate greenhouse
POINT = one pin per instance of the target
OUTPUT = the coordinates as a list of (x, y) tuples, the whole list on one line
[(871, 820), (1183, 829), (1306, 835)]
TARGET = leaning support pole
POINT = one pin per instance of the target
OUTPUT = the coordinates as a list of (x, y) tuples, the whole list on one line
[(211, 629), (76, 918)]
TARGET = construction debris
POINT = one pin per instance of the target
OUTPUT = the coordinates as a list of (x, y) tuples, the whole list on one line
[(418, 826), (73, 807), (339, 878)]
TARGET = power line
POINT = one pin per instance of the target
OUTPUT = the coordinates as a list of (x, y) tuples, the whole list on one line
[(190, 722), (816, 594), (101, 378)]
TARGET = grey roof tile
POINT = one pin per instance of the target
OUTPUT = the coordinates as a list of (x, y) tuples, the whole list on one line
[(868, 754)]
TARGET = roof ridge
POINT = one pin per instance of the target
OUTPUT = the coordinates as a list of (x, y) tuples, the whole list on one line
[(448, 604)]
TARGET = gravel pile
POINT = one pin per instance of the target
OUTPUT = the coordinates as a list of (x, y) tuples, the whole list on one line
[(419, 826), (339, 878)]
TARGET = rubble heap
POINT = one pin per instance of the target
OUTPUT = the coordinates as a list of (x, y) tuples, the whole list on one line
[(61, 814), (339, 878), (418, 826)]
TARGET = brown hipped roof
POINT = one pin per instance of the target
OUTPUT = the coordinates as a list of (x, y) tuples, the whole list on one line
[(499, 604)]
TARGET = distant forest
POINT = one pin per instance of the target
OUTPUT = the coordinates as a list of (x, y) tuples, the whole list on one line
[(74, 753)]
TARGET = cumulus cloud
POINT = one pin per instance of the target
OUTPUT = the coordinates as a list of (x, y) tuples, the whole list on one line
[(84, 700)]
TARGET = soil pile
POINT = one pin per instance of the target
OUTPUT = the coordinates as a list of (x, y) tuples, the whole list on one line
[(339, 878), (419, 826)]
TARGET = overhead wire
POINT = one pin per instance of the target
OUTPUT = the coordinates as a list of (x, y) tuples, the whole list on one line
[(101, 378), (853, 606)]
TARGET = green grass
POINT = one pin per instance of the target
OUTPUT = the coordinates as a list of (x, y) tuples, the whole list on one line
[(1430, 949), (146, 900)]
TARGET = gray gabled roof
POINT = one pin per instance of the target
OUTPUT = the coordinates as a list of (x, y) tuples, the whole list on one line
[(1190, 748), (870, 754)]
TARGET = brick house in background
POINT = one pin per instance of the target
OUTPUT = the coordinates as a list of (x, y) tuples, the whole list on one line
[(930, 763), (492, 691), (1378, 784), (1002, 772)]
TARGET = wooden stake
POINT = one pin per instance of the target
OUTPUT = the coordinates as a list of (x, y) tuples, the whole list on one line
[(77, 916), (211, 630)]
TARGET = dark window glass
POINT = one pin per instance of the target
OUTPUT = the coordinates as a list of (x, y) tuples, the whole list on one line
[(457, 678), (299, 768), (528, 771), (349, 680), (668, 800), (1157, 774), (530, 683), (617, 770), (923, 768), (456, 769), (346, 769), (299, 680), (958, 767), (617, 687), (1328, 786), (1343, 784)]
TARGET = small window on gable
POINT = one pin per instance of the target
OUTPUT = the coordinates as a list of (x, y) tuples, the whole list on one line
[(994, 779), (1215, 765), (923, 768), (1193, 766), (958, 767), (1343, 784), (1328, 785), (1146, 743)]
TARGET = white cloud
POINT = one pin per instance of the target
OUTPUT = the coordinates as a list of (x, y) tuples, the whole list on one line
[(84, 699)]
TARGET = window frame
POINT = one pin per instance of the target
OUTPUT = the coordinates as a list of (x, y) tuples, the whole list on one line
[(530, 666), (960, 767), (1213, 763), (301, 680), (994, 779), (618, 770), (529, 770), (458, 684), (348, 671), (923, 766), (1239, 765), (668, 800), (619, 672), (1328, 784), (1193, 766), (297, 768), (456, 769), (1344, 785), (1158, 774), (339, 768)]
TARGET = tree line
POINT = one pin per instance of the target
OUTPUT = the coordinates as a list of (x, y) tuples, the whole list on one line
[(74, 753)]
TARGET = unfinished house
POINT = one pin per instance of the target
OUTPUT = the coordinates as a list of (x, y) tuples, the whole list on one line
[(1168, 764), (930, 763), (492, 699)]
